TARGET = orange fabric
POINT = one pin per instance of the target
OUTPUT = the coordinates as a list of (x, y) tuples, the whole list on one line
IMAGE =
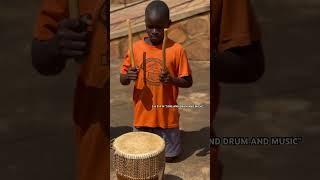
[(92, 153), (149, 91), (90, 100), (90, 116), (238, 26), (235, 26)]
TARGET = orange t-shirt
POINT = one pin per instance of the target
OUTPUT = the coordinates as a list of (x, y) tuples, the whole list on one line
[(149, 93)]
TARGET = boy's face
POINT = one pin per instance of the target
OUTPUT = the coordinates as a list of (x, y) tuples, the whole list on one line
[(155, 25)]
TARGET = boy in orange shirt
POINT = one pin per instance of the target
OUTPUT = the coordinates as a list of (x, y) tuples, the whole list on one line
[(155, 86)]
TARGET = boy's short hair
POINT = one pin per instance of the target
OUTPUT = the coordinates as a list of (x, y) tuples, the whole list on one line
[(158, 7)]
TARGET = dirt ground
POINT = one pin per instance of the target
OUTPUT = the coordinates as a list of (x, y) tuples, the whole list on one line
[(36, 131)]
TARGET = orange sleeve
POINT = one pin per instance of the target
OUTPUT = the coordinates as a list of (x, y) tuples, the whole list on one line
[(50, 13), (183, 64), (238, 24), (125, 64)]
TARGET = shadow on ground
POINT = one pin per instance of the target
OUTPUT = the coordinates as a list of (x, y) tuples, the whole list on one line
[(118, 131), (193, 141), (172, 177)]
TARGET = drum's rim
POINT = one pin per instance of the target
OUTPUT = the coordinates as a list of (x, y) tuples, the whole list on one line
[(142, 155)]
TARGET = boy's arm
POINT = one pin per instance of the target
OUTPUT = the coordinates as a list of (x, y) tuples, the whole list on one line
[(131, 75), (184, 77), (127, 73), (182, 82), (124, 79), (240, 64)]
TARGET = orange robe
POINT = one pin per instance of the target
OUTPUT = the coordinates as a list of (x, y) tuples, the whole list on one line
[(90, 100), (234, 25)]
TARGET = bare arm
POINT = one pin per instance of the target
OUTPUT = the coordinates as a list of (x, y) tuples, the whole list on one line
[(124, 79), (183, 82), (131, 75)]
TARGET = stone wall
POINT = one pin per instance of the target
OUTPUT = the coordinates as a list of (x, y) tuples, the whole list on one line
[(193, 33)]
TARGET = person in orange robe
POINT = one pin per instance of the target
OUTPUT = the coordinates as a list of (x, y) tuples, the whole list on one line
[(237, 55), (57, 39)]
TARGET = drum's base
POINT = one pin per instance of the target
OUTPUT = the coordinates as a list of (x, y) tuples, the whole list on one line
[(119, 177), (160, 176)]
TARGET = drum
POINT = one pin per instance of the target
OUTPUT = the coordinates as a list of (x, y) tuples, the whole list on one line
[(139, 156)]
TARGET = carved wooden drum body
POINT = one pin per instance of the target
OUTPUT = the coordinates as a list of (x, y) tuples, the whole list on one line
[(139, 156)]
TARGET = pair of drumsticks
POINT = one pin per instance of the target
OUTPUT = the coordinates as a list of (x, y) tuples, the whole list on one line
[(130, 41)]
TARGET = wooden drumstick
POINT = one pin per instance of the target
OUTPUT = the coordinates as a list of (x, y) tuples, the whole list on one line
[(144, 67), (74, 9), (130, 43), (164, 67)]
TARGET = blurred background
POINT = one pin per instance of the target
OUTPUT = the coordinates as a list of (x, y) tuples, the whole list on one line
[(36, 132), (285, 102), (36, 129)]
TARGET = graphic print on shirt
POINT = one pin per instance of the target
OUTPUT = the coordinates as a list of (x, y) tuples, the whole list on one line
[(152, 71)]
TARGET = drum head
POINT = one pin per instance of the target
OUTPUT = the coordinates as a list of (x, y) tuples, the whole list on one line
[(138, 143)]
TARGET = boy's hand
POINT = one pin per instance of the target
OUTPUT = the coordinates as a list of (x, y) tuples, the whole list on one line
[(165, 77), (132, 73)]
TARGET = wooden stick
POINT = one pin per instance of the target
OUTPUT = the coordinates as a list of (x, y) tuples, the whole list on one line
[(164, 61), (74, 9), (130, 43), (145, 67)]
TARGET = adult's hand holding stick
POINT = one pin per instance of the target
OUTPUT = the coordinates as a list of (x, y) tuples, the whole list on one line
[(75, 14), (74, 9)]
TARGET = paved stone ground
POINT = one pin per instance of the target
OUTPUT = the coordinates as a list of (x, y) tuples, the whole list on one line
[(36, 134)]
